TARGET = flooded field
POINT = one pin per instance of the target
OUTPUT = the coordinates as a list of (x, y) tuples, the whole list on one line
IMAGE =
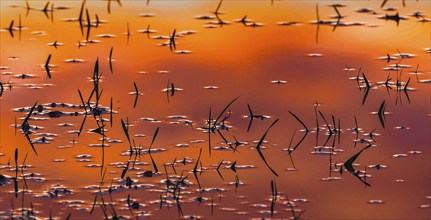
[(215, 109)]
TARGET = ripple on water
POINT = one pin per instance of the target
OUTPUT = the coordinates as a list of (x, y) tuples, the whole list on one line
[(399, 155), (204, 17), (84, 156), (227, 209), (55, 44), (93, 165), (146, 31), (147, 15), (330, 178), (425, 206), (278, 81), (211, 87), (404, 55), (139, 135), (402, 128), (300, 200), (390, 9), (161, 37), (114, 141), (210, 26), (24, 76), (175, 89), (219, 22), (98, 145), (85, 42), (183, 51), (242, 167), (267, 212), (38, 33), (74, 60), (365, 10), (314, 55), (291, 169), (186, 32), (71, 202), (182, 145), (254, 24), (375, 202), (106, 35), (415, 152), (259, 206), (289, 23), (377, 166), (55, 191), (64, 146)]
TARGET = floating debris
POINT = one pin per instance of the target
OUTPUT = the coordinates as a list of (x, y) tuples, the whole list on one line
[(55, 191)]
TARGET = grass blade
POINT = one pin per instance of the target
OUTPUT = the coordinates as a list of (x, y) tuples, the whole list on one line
[(154, 136), (366, 81), (16, 125), (365, 96), (167, 91), (197, 180), (110, 60), (172, 89), (31, 144), (173, 166), (15, 181), (251, 117), (209, 132), (125, 170), (305, 134), (237, 182), (349, 164), (383, 3), (48, 71), (25, 122), (407, 84), (85, 110), (336, 10), (25, 127), (137, 94), (233, 166), (82, 125), (260, 143), (96, 78), (172, 44), (224, 110), (110, 112), (129, 205), (136, 101), (197, 161), (88, 24), (218, 169), (126, 131), (218, 7), (156, 170), (299, 120), (1, 89), (381, 114), (326, 122), (149, 150)]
